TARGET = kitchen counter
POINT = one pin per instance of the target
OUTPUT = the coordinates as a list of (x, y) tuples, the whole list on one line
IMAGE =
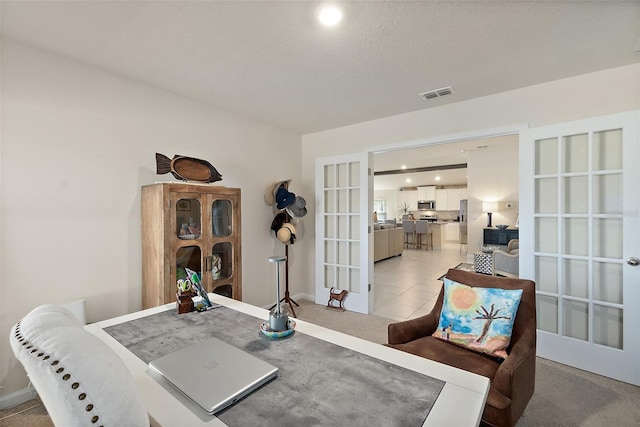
[(387, 242), (437, 233)]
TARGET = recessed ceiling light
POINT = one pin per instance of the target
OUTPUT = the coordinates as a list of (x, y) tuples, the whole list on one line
[(437, 178), (403, 167), (329, 16), (408, 180)]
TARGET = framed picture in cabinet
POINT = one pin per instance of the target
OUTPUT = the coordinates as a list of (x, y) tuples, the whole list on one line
[(183, 205)]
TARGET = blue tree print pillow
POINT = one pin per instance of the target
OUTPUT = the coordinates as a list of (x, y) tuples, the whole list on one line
[(480, 319)]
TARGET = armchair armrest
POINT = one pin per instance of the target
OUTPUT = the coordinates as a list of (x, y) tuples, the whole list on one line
[(505, 261), (515, 378), (409, 330)]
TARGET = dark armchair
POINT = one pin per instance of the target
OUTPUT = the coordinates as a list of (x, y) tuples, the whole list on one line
[(512, 379)]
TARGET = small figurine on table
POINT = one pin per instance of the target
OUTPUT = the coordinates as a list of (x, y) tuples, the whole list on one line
[(184, 301)]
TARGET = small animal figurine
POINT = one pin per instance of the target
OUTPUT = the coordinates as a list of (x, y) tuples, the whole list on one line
[(337, 296), (187, 168)]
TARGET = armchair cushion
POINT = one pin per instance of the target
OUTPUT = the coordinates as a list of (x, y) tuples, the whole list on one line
[(479, 319)]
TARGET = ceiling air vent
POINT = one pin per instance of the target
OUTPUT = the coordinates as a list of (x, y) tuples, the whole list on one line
[(432, 94)]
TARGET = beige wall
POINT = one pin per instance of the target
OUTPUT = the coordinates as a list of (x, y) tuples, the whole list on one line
[(492, 176), (590, 95), (77, 145)]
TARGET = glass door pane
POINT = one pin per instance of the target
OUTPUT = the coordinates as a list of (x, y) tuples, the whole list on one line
[(188, 257), (221, 218), (188, 218)]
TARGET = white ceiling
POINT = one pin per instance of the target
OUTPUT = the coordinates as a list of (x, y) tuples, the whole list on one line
[(271, 61)]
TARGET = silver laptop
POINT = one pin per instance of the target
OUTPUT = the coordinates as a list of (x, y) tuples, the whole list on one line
[(214, 374)]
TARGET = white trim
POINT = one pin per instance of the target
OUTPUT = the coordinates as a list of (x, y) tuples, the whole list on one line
[(17, 397), (450, 138)]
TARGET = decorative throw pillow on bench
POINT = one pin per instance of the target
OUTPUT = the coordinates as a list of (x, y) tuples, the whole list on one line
[(480, 319)]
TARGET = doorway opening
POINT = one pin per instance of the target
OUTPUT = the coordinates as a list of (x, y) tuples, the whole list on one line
[(406, 286)]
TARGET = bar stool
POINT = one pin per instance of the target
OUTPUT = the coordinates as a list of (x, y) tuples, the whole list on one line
[(422, 231), (409, 228)]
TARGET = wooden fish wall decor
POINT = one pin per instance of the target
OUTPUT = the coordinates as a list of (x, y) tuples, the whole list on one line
[(187, 168)]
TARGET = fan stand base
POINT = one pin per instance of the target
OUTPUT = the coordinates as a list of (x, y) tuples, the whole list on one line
[(287, 300)]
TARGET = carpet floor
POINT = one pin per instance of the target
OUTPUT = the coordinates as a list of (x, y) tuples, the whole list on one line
[(564, 396)]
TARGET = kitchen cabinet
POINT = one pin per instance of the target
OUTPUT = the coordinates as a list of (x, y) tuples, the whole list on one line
[(194, 226), (452, 232), (427, 193), (442, 200), (448, 199), (410, 197)]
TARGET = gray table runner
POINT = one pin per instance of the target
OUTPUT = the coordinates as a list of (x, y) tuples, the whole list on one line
[(319, 383)]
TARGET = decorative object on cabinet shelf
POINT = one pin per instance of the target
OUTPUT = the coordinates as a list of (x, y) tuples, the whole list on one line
[(489, 208), (278, 316), (187, 168), (502, 226), (216, 266)]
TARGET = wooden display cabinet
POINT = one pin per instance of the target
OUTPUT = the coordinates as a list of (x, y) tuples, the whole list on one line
[(195, 226)]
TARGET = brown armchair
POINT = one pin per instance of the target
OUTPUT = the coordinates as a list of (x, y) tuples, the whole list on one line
[(512, 379)]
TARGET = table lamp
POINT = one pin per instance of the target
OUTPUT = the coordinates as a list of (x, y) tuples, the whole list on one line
[(489, 208)]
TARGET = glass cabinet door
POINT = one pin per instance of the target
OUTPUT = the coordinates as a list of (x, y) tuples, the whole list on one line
[(188, 220), (188, 257), (220, 261), (221, 222)]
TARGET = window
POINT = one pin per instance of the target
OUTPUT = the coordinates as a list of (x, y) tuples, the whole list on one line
[(380, 207)]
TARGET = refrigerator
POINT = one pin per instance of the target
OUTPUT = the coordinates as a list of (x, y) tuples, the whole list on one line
[(463, 221)]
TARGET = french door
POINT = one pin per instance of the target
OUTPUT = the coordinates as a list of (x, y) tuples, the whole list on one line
[(580, 241), (344, 221)]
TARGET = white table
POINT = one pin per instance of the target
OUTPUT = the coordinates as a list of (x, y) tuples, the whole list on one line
[(460, 402)]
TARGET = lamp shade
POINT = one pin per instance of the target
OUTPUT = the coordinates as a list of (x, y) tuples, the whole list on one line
[(489, 206)]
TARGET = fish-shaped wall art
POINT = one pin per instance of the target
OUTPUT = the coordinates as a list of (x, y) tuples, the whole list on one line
[(187, 168)]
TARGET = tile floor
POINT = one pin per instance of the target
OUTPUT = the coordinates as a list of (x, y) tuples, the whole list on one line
[(406, 287)]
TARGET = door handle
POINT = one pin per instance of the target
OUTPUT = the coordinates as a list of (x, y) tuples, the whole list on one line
[(633, 261)]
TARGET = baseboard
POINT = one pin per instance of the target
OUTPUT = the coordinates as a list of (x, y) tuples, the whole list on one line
[(17, 397), (308, 297)]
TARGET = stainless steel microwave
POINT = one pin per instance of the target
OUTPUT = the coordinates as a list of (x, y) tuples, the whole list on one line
[(426, 205)]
